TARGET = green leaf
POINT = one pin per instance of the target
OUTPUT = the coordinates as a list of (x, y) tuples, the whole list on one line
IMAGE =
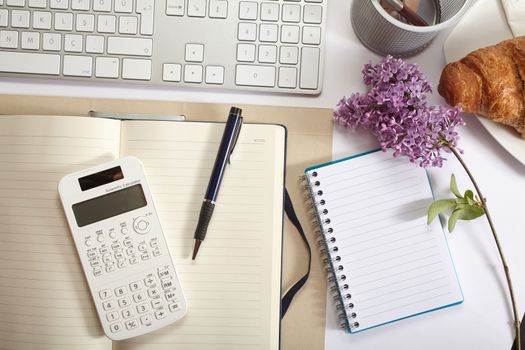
[(469, 194), (460, 201), (453, 219), (439, 207), (454, 186)]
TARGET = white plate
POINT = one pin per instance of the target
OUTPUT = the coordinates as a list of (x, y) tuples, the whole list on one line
[(483, 25)]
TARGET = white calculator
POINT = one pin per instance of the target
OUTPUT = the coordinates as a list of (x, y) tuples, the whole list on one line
[(122, 248)]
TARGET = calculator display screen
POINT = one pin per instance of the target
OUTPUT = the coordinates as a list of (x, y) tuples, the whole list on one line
[(109, 205)]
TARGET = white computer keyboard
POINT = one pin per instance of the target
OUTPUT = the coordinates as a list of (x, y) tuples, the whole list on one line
[(269, 45)]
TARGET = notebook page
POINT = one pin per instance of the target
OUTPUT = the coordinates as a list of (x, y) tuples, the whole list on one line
[(233, 287), (44, 299), (395, 264)]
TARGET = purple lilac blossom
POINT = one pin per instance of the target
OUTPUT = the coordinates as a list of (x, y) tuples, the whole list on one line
[(396, 112)]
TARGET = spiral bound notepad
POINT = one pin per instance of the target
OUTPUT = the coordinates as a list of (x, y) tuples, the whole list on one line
[(386, 263)]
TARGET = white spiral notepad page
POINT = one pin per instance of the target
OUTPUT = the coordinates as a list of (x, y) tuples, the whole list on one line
[(389, 263)]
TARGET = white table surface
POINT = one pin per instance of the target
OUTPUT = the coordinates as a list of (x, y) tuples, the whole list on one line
[(484, 320)]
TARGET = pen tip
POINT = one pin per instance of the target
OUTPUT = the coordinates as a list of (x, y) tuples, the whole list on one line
[(196, 248)]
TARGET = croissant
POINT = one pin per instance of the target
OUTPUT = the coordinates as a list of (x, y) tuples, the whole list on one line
[(490, 82)]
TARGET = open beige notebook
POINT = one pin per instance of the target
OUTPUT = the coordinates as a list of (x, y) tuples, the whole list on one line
[(233, 289)]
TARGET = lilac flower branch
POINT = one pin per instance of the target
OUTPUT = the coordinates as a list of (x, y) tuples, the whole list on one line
[(395, 111)]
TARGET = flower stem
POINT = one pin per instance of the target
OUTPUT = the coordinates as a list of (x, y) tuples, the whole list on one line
[(500, 250)]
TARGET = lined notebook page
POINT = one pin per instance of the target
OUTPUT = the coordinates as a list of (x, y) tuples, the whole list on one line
[(395, 264), (233, 287), (44, 299)]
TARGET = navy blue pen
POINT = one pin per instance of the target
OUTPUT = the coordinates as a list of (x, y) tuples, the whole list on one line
[(229, 139)]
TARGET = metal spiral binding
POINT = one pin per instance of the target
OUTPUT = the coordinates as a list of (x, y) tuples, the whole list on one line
[(327, 244)]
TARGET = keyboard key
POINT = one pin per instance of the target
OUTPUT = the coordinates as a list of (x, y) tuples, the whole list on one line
[(123, 6), (64, 21), (248, 75), (146, 10), (3, 18), (8, 39), (289, 55), (194, 53), (313, 14), (128, 25), (268, 33), (309, 68), (20, 19), (106, 24), (214, 75), (135, 47), (196, 8), (245, 52), (218, 9), (105, 294), (171, 72), (42, 4), (102, 5), (175, 7), (291, 13), (247, 31), (115, 327), (59, 4), (85, 22), (30, 40), (41, 20), (269, 11), (16, 3), (287, 77), (248, 10), (192, 73), (52, 42), (312, 35), (267, 54), (82, 5), (290, 34), (136, 69), (95, 44)]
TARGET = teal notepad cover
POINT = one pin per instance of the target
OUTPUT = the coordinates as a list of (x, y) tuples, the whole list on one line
[(386, 263)]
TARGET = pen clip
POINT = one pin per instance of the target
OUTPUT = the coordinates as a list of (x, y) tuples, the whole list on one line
[(237, 133)]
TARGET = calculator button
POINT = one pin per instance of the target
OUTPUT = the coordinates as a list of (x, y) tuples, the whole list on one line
[(128, 242), (95, 263), (91, 254), (112, 234), (131, 324), (130, 251), (142, 308), (145, 256), (127, 313), (104, 250), (133, 260), (167, 284), (153, 293), (160, 314), (142, 247), (170, 296), (112, 316), (106, 258), (124, 231), (119, 291), (154, 243), (115, 327), (105, 293), (119, 255), (108, 305), (156, 304), (97, 271), (146, 319), (135, 286), (110, 268), (156, 252), (139, 297), (173, 307), (149, 281), (115, 245), (121, 264), (88, 243), (124, 302), (142, 225), (164, 273), (100, 238)]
